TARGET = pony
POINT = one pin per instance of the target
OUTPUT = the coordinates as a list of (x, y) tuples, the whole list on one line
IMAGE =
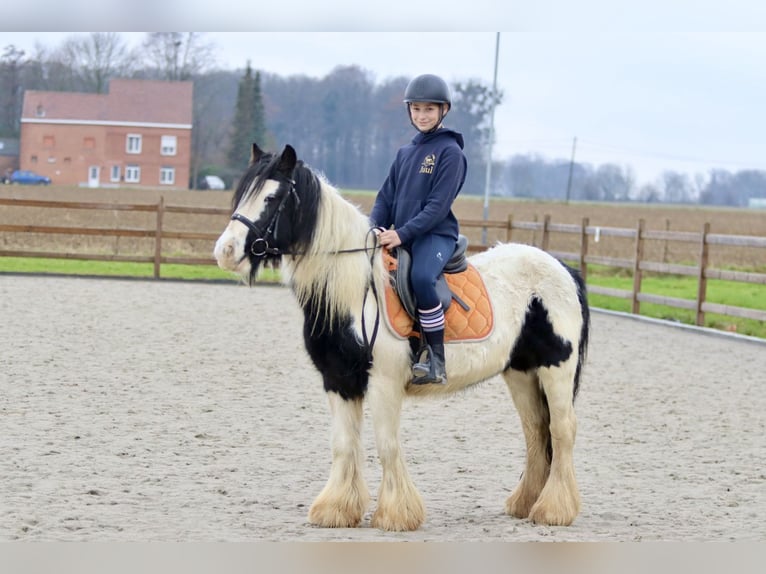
[(285, 212)]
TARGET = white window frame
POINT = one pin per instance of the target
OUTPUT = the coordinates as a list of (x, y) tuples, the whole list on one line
[(168, 145), (114, 173), (167, 175), (132, 174), (133, 143)]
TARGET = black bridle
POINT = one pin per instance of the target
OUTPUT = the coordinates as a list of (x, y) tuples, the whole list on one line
[(260, 247)]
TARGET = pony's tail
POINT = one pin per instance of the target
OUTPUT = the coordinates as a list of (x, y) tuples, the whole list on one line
[(582, 351)]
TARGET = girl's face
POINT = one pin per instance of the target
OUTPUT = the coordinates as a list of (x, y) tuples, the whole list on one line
[(425, 115)]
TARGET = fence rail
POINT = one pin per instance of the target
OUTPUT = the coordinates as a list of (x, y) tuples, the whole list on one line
[(584, 234)]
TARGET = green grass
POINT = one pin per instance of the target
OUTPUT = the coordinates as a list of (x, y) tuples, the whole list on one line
[(732, 293), (736, 294), (121, 269)]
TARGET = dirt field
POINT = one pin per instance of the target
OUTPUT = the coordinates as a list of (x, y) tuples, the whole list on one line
[(726, 221), (161, 411)]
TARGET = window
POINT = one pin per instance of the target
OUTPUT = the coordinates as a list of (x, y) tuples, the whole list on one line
[(167, 175), (168, 145), (89, 143), (114, 175), (132, 173), (133, 143), (49, 141)]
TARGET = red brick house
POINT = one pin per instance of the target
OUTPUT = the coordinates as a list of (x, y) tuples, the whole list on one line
[(137, 135)]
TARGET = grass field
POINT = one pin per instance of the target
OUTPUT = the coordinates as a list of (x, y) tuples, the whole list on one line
[(725, 221)]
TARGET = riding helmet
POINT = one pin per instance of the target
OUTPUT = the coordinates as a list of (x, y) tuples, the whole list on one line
[(427, 88)]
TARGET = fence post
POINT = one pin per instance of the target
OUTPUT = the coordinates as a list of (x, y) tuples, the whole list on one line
[(665, 243), (702, 279), (584, 249), (509, 229), (158, 237), (546, 233), (636, 305)]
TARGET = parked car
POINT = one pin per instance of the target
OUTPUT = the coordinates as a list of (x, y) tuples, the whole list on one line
[(26, 177), (211, 182)]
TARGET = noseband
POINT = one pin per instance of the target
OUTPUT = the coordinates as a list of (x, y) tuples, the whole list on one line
[(260, 245)]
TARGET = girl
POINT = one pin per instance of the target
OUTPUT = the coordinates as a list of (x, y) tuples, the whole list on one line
[(414, 209)]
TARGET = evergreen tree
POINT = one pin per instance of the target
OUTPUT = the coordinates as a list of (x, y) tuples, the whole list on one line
[(259, 134), (242, 125)]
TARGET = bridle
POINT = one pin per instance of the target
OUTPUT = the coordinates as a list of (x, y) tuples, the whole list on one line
[(260, 247)]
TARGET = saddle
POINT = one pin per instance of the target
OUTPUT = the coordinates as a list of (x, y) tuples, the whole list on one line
[(471, 318)]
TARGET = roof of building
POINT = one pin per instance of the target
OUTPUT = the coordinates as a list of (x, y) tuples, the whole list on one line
[(134, 101)]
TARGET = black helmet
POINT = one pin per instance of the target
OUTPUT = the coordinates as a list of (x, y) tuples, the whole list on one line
[(427, 88)]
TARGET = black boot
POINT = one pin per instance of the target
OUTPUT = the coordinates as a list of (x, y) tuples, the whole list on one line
[(436, 373)]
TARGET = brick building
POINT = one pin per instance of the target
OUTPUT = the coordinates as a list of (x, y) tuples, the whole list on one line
[(137, 135)]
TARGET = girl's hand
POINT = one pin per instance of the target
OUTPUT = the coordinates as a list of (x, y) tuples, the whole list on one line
[(389, 238)]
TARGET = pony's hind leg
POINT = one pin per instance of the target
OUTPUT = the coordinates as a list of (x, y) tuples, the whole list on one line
[(400, 506), (344, 499), (533, 412), (559, 501)]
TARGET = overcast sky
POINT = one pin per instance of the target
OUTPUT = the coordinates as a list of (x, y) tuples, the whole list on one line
[(636, 92)]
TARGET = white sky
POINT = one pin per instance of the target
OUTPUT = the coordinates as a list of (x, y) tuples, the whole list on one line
[(680, 85)]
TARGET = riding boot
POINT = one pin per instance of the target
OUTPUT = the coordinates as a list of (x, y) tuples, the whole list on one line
[(437, 372)]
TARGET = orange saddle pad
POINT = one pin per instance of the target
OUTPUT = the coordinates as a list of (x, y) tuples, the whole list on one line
[(472, 325)]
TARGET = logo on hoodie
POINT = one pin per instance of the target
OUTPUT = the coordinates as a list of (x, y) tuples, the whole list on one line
[(428, 164)]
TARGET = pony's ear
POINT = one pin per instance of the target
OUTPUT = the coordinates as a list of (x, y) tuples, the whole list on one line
[(287, 161), (255, 153)]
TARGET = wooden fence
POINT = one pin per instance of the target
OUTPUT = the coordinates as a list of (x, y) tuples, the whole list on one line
[(542, 230)]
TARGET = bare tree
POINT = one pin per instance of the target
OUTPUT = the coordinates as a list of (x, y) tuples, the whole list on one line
[(177, 56), (94, 59), (10, 90)]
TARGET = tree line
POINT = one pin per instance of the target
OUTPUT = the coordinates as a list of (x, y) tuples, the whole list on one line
[(343, 124)]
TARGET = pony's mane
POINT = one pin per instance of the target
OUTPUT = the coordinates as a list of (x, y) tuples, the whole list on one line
[(329, 283)]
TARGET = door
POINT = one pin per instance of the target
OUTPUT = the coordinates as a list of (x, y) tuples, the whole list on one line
[(93, 176)]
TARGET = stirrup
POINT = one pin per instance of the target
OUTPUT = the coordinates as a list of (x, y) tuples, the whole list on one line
[(430, 379)]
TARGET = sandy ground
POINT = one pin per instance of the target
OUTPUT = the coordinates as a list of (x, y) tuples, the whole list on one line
[(161, 411)]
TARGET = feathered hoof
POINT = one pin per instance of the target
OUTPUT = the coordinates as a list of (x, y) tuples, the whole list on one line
[(518, 504), (329, 515), (561, 515), (406, 521)]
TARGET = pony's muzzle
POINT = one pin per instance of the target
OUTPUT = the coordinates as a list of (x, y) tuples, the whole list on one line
[(225, 252)]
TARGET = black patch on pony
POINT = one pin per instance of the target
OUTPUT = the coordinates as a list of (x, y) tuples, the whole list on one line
[(295, 226), (538, 345), (341, 358)]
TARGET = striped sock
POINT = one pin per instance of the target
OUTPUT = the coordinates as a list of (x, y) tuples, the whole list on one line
[(431, 320)]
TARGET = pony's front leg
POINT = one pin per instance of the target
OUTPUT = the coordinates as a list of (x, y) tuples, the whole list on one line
[(344, 499), (400, 506)]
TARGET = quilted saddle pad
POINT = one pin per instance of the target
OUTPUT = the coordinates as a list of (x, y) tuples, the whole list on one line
[(472, 325)]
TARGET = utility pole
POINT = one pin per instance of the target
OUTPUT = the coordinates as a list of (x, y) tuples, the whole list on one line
[(571, 167), (489, 147)]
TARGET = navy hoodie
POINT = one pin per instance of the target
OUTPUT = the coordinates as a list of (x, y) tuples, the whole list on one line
[(423, 181)]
